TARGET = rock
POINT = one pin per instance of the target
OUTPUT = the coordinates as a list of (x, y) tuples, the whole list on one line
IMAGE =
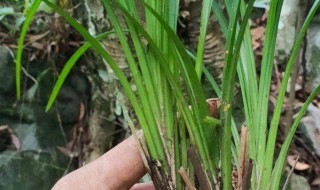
[(287, 29), (298, 182), (29, 170), (313, 53), (68, 103), (311, 122), (7, 71)]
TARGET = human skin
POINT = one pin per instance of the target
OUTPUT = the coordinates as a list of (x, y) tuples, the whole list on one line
[(118, 169)]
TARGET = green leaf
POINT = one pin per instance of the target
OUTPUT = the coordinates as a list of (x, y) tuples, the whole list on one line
[(191, 124), (29, 16), (278, 108), (232, 58), (220, 17), (122, 78), (265, 79), (205, 14), (281, 161), (68, 66), (146, 106)]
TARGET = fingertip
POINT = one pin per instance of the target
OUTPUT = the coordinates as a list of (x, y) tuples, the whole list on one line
[(143, 186)]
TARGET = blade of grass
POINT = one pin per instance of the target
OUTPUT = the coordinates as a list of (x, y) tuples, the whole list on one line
[(227, 92), (173, 7), (153, 29), (217, 90), (146, 106), (165, 97), (171, 120), (211, 80), (30, 14), (246, 72), (212, 121), (122, 78), (143, 63), (205, 14), (277, 112), (181, 148), (195, 91), (170, 16), (68, 66), (265, 79), (277, 172), (216, 9), (183, 107), (227, 76), (231, 34), (248, 82), (165, 121)]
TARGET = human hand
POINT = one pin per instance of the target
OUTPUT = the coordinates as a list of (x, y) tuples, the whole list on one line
[(120, 168)]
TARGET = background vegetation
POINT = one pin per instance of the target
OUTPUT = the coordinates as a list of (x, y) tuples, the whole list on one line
[(170, 101)]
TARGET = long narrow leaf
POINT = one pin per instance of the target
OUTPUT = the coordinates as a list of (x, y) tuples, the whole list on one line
[(205, 14), (122, 78), (277, 172), (146, 106), (217, 90), (32, 11), (195, 91), (220, 17), (227, 94), (190, 123), (265, 78), (68, 66), (277, 112)]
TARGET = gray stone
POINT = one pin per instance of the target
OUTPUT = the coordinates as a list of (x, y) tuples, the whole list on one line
[(311, 122), (7, 71), (287, 29), (298, 182), (313, 54)]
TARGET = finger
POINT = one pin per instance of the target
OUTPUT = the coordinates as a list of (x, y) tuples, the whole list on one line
[(143, 186), (120, 168)]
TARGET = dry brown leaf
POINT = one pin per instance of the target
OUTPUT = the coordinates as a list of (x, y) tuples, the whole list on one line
[(15, 141), (244, 160), (75, 44), (257, 33), (64, 150), (67, 151), (186, 178), (2, 34), (33, 38), (3, 127), (37, 45), (82, 111), (13, 46), (316, 181), (255, 45), (291, 159)]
